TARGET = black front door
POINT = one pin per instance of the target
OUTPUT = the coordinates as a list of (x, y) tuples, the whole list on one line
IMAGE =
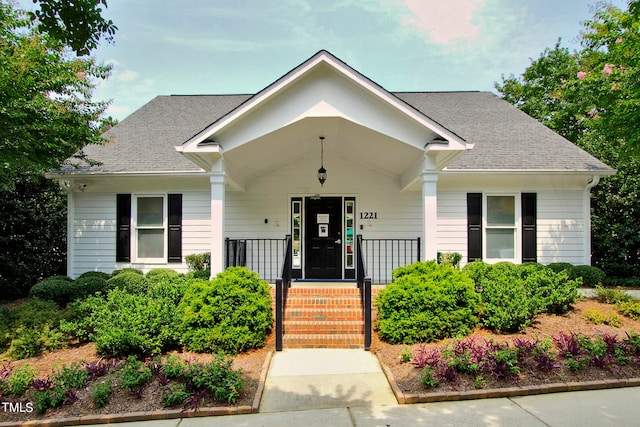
[(323, 235)]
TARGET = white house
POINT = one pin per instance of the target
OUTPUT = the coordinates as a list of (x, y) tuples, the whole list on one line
[(414, 173)]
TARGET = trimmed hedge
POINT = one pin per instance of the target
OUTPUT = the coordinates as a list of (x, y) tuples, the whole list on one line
[(230, 314), (426, 302)]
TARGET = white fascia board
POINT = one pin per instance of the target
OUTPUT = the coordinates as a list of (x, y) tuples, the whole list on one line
[(607, 172), (71, 175), (350, 73)]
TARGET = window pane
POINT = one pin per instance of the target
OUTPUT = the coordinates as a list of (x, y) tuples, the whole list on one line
[(150, 211), (501, 210), (501, 243), (151, 243)]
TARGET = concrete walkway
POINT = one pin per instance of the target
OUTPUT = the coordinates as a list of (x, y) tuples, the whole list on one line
[(324, 378)]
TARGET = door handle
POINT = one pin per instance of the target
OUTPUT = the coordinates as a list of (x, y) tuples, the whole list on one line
[(338, 241)]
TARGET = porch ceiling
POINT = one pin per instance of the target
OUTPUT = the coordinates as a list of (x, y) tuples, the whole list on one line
[(343, 138)]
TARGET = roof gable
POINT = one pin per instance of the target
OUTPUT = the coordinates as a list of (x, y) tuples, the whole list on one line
[(320, 76)]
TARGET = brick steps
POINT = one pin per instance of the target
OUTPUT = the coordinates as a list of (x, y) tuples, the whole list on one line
[(323, 341), (323, 318)]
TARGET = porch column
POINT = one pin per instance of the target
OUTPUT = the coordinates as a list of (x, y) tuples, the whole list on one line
[(217, 180), (429, 214)]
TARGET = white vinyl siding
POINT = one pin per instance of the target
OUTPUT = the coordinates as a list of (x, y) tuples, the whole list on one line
[(94, 232), (560, 225)]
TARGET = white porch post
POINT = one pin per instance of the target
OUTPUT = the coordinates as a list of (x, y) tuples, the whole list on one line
[(430, 214), (217, 180)]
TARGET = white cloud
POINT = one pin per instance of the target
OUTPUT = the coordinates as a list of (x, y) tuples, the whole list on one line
[(444, 22), (127, 76)]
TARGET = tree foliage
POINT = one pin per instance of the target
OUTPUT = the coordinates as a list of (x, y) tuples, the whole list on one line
[(591, 96), (78, 24), (46, 116), (46, 110)]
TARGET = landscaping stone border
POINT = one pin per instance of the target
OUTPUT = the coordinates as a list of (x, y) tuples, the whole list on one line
[(445, 396), (161, 414)]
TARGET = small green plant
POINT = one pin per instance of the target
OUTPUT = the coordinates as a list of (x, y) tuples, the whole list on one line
[(405, 355), (20, 380), (174, 367), (73, 376), (198, 262), (101, 391), (612, 296), (596, 317), (134, 374), (630, 309), (216, 377), (479, 382), (174, 393), (427, 377), (451, 258)]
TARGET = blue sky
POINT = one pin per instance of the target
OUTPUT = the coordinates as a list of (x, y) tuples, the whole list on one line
[(241, 46)]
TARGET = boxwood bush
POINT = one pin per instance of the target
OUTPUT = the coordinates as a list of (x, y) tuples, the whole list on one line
[(512, 295), (131, 281), (58, 289), (125, 324), (426, 302), (231, 313)]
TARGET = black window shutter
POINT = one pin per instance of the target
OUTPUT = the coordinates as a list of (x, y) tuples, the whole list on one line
[(474, 226), (529, 240), (123, 228), (175, 228)]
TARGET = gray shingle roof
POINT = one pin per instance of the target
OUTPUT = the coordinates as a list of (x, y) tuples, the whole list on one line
[(505, 138)]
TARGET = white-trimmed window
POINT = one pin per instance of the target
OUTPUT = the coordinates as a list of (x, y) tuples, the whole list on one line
[(150, 224), (501, 227)]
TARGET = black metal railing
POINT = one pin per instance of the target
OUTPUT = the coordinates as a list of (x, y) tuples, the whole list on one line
[(264, 256), (364, 285), (383, 255), (283, 283)]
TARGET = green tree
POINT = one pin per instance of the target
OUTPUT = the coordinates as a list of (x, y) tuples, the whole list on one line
[(46, 110), (591, 96), (46, 116)]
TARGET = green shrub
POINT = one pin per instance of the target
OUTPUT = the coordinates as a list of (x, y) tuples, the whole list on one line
[(218, 377), (624, 282), (115, 273), (125, 324), (560, 266), (91, 282), (591, 276), (161, 274), (174, 394), (93, 275), (598, 318), (508, 304), (612, 296), (100, 392), (35, 340), (58, 289), (71, 377), (131, 281), (199, 262), (513, 294), (231, 313), (426, 302), (555, 291), (630, 309)]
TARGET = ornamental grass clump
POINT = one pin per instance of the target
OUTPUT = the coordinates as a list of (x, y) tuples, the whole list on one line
[(426, 302)]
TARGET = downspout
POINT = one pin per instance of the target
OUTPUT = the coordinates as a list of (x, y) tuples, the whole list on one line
[(595, 179)]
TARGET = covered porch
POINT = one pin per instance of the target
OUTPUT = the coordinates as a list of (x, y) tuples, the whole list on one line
[(382, 160)]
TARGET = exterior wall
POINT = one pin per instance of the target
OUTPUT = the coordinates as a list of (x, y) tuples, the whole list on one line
[(562, 224), (93, 232)]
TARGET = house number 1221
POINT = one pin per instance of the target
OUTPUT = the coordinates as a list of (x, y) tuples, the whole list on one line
[(368, 215)]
